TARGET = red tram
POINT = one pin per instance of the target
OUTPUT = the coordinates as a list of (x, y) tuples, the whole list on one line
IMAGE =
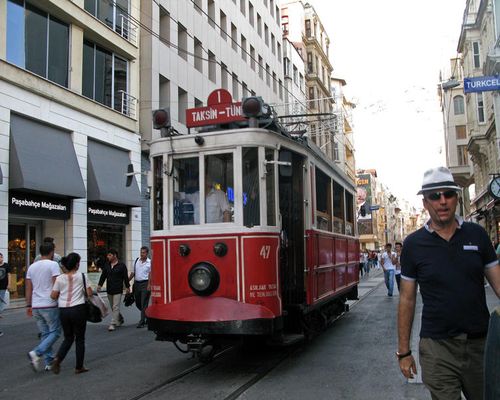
[(270, 251)]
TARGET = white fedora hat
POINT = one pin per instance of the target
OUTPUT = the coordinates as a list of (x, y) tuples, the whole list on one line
[(438, 178)]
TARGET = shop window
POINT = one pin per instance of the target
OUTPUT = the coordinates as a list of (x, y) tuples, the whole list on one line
[(323, 201), (37, 41), (101, 238), (251, 192)]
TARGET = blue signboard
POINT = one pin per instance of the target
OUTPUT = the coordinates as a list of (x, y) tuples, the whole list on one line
[(481, 84)]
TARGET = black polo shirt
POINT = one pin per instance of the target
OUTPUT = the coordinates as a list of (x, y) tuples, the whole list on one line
[(451, 278)]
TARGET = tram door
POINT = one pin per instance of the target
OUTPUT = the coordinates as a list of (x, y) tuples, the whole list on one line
[(291, 203)]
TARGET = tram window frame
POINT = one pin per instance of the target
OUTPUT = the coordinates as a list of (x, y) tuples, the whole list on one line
[(251, 186), (158, 204), (199, 208), (323, 206), (338, 208), (349, 213), (225, 181), (185, 208), (271, 195)]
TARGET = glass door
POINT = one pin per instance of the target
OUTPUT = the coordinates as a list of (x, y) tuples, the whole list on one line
[(22, 244)]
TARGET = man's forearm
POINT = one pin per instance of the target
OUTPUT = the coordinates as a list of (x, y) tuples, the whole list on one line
[(406, 314)]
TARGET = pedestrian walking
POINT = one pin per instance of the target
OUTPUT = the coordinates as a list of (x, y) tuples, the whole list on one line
[(397, 271), (40, 278), (388, 261), (69, 291), (4, 285), (141, 289), (366, 262), (361, 265), (448, 259), (115, 275), (57, 257)]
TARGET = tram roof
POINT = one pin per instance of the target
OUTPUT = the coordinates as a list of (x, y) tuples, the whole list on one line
[(230, 138)]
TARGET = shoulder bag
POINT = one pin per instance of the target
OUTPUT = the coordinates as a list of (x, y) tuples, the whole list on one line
[(93, 312)]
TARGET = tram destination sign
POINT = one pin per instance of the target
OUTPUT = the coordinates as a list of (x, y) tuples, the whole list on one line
[(35, 205), (481, 84), (220, 109)]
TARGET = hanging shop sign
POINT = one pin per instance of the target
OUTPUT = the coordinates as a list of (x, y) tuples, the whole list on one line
[(35, 205), (481, 84), (98, 212)]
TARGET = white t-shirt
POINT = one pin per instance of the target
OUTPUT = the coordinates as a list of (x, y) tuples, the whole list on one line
[(398, 267), (70, 288), (388, 261), (215, 205), (41, 273), (142, 269)]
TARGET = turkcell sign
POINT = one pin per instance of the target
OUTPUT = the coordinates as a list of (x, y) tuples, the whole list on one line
[(481, 84)]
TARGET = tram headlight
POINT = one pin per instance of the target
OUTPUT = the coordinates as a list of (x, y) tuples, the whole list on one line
[(203, 279)]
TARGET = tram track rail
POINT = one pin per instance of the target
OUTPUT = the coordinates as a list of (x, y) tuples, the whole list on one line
[(181, 374)]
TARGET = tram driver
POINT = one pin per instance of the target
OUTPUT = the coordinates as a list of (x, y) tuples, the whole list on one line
[(217, 207)]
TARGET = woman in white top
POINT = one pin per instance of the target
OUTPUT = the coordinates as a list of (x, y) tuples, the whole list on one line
[(68, 290)]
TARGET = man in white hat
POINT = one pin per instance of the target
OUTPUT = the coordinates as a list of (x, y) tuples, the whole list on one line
[(448, 258)]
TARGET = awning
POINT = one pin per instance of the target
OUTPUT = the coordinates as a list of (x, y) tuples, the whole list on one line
[(106, 176), (42, 159)]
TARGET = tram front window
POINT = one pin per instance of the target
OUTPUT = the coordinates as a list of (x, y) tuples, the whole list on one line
[(186, 191), (219, 188)]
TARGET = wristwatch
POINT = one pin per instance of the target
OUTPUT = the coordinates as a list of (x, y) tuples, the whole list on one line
[(402, 355)]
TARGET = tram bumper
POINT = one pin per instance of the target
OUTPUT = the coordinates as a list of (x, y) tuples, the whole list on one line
[(210, 316)]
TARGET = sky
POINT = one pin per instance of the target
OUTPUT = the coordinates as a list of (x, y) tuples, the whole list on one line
[(390, 53)]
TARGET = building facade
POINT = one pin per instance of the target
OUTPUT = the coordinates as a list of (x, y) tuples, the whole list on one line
[(305, 30), (68, 131), (470, 125)]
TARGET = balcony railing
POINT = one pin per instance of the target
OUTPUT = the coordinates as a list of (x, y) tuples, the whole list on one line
[(127, 104), (127, 29)]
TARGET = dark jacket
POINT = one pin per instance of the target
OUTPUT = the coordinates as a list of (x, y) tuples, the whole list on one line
[(116, 277)]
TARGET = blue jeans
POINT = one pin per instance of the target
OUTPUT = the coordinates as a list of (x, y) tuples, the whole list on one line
[(49, 326), (389, 281), (492, 358)]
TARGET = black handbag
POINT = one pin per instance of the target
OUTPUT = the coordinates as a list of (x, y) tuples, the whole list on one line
[(93, 312), (129, 299)]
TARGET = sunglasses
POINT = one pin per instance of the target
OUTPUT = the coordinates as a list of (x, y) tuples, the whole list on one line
[(437, 195)]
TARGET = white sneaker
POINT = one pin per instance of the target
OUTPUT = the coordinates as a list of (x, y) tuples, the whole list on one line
[(111, 328), (36, 361)]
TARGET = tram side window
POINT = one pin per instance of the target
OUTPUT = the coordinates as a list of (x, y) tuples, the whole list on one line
[(219, 188), (158, 192), (270, 192), (251, 192), (349, 213), (338, 208), (323, 201), (186, 191)]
